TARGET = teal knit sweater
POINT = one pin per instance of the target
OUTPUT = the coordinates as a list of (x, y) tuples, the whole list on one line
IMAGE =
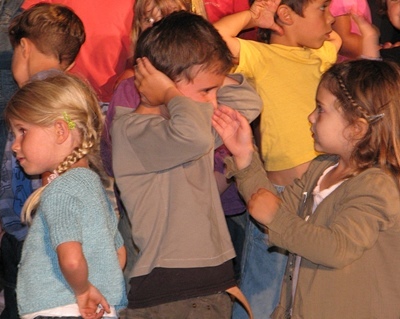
[(74, 207)]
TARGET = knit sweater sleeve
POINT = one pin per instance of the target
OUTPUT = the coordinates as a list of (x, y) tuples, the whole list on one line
[(61, 212)]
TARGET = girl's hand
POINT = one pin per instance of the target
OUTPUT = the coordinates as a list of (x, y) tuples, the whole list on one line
[(92, 303), (263, 206), (263, 14), (236, 134), (154, 86)]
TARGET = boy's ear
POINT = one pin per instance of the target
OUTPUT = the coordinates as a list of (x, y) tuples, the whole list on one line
[(61, 130), (285, 14), (26, 46)]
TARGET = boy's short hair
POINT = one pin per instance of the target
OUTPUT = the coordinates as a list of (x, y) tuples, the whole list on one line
[(54, 29), (182, 40)]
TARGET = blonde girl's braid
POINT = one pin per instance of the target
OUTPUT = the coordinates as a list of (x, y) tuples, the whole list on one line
[(61, 96)]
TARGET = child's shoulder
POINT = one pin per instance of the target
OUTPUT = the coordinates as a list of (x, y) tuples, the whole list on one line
[(78, 179)]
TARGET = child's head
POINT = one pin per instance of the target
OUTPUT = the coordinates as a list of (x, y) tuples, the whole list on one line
[(190, 51), (44, 36), (57, 122), (182, 41), (367, 93), (63, 105), (391, 8), (307, 22), (147, 12)]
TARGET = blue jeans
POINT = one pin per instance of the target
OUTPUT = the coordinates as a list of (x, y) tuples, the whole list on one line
[(263, 268)]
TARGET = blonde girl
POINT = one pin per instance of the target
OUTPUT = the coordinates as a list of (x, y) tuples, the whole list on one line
[(341, 220), (72, 257)]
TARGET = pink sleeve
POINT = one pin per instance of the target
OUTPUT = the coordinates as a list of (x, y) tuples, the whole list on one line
[(341, 7)]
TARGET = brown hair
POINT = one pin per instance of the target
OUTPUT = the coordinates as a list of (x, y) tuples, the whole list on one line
[(264, 35), (370, 90), (54, 29), (181, 41)]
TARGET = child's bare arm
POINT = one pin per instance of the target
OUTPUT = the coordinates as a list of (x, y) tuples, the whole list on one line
[(336, 40), (121, 252), (370, 38), (74, 267), (261, 14), (352, 42)]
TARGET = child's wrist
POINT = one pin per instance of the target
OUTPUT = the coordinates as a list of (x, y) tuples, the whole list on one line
[(243, 160), (170, 93)]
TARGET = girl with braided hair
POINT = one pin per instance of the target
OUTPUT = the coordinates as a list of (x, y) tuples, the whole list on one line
[(341, 220), (72, 257)]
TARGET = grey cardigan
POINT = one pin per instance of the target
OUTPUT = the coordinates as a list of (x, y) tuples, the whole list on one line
[(350, 245)]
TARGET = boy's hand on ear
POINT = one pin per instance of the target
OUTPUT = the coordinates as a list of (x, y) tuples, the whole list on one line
[(154, 86), (263, 14)]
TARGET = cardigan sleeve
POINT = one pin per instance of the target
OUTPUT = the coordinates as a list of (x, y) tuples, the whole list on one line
[(345, 224)]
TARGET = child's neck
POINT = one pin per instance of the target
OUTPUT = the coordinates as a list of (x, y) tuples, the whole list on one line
[(336, 175), (284, 39)]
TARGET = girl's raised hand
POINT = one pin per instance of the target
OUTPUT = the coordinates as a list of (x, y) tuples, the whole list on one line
[(236, 134)]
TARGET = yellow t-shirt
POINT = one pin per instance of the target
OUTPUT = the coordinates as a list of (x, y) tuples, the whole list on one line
[(286, 79)]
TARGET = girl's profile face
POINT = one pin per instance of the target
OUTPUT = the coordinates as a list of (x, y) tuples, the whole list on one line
[(329, 128), (33, 147)]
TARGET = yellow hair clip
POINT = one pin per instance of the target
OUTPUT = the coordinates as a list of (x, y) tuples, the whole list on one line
[(71, 124)]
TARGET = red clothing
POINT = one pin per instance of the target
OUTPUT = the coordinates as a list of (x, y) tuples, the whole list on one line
[(216, 9), (107, 48)]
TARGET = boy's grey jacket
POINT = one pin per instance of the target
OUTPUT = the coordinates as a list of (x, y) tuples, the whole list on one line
[(164, 170)]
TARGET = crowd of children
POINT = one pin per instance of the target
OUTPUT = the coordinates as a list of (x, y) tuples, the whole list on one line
[(294, 216)]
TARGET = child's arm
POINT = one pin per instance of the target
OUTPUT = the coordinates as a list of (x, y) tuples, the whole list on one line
[(261, 14), (75, 270), (121, 252), (236, 134), (352, 42), (369, 36), (336, 40)]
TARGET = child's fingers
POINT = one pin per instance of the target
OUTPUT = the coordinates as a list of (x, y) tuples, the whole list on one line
[(148, 66)]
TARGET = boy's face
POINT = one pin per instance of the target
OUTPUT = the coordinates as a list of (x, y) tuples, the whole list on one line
[(393, 11), (313, 29), (204, 86)]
